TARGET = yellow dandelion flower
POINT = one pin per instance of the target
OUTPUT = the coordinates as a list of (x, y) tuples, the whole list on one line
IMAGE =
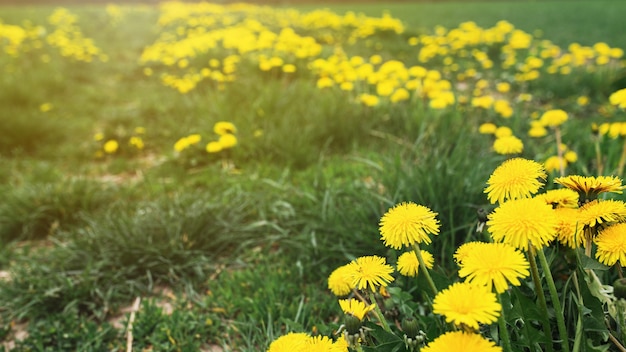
[(227, 141), (213, 147), (355, 307), (224, 127), (487, 128), (571, 156), (340, 281), (323, 344), (347, 86), (370, 271), (503, 108), (111, 146), (537, 131), (194, 139), (503, 131), (553, 118), (399, 94), (136, 142), (464, 250), (521, 222), (554, 164), (589, 187), (461, 341), (515, 178), (494, 265), (295, 342), (181, 144), (408, 264), (560, 198), (603, 212), (289, 68), (340, 345), (503, 87), (611, 244), (467, 304), (98, 136), (406, 224), (368, 99), (508, 145), (325, 82), (568, 230), (618, 98)]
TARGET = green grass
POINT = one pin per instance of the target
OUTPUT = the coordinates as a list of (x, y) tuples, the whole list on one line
[(245, 239)]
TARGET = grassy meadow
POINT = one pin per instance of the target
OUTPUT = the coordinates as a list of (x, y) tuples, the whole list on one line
[(185, 177)]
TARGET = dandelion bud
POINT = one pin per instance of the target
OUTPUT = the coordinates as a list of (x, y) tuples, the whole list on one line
[(352, 323), (482, 215), (410, 326), (619, 288)]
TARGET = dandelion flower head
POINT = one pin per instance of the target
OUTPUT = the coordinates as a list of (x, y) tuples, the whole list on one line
[(111, 146), (407, 224), (611, 244), (604, 212), (325, 344), (223, 127), (588, 187), (494, 265), (503, 131), (508, 145), (560, 198), (465, 249), (568, 231), (355, 307), (487, 128), (290, 342), (553, 118), (523, 221), (370, 271), (515, 178), (618, 98), (340, 281), (227, 141), (467, 304), (408, 265), (213, 147), (461, 341)]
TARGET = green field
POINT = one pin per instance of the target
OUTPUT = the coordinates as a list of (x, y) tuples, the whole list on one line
[(216, 163)]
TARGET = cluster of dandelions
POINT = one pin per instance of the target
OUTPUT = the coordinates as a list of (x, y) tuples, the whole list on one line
[(119, 142), (226, 139), (523, 223)]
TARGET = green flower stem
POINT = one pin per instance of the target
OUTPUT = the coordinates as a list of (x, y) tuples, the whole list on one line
[(560, 321), (559, 152), (599, 163), (431, 283), (379, 312), (622, 160), (579, 323), (504, 333), (540, 296)]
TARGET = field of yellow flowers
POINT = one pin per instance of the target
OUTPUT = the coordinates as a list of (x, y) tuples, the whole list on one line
[(202, 176)]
